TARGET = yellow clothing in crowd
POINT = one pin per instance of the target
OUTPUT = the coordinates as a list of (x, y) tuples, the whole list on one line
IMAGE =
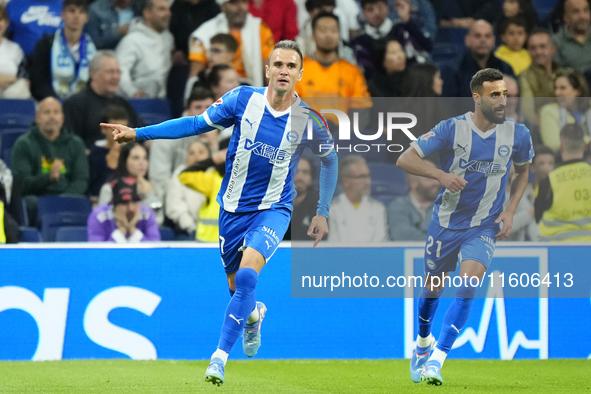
[(519, 60), (208, 183)]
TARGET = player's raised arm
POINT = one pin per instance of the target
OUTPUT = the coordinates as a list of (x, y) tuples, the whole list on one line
[(411, 162)]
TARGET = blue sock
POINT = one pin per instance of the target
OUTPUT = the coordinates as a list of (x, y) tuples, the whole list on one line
[(456, 316), (239, 308), (428, 303), (231, 292)]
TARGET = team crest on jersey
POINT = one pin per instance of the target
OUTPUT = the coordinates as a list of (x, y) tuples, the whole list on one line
[(293, 136), (218, 102), (504, 151), (428, 135)]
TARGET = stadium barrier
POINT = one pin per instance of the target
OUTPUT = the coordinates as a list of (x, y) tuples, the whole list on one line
[(166, 301)]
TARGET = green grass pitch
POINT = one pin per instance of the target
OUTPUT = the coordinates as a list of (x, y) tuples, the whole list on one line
[(292, 376)]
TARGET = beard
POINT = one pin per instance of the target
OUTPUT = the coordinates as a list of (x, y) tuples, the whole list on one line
[(491, 115)]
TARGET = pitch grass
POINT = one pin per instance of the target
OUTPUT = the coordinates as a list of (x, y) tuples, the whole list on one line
[(292, 376)]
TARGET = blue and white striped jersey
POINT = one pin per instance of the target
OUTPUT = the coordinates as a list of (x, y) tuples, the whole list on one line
[(481, 158), (264, 149)]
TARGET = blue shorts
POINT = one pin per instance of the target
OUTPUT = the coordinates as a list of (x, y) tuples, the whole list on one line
[(260, 230), (446, 248)]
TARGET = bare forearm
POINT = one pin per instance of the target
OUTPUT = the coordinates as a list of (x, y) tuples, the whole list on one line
[(517, 189), (411, 162)]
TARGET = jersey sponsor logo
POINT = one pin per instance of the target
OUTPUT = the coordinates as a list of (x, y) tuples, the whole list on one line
[(485, 167), (428, 135), (275, 155), (487, 239), (218, 102), (41, 15), (504, 151), (271, 232)]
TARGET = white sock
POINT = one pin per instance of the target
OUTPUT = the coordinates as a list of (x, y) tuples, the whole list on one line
[(438, 355), (219, 353), (424, 342), (254, 316)]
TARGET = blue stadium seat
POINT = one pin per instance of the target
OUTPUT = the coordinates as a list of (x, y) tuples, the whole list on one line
[(50, 222), (152, 111), (16, 113), (30, 234), (387, 181), (7, 140), (447, 54), (544, 7), (62, 204), (167, 234), (451, 35), (71, 234)]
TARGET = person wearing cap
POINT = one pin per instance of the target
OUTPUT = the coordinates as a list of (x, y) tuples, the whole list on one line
[(125, 220), (255, 41)]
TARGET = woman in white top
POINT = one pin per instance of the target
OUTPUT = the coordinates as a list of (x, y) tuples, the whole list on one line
[(11, 65)]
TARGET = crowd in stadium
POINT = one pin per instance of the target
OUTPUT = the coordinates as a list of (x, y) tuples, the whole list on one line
[(84, 62)]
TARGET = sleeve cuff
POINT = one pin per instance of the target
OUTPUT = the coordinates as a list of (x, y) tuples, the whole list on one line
[(119, 237), (136, 237), (418, 149), (523, 163)]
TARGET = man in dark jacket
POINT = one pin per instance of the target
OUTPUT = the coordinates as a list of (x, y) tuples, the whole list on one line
[(84, 111), (108, 20), (49, 159)]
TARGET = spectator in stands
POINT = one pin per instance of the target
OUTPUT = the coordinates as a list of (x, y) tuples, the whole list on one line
[(409, 216), (304, 204), (145, 53), (542, 163), (222, 50), (206, 177), (84, 110), (355, 217), (306, 40), (188, 16), (59, 66), (514, 35), (133, 162), (562, 204), (511, 109), (279, 15), (9, 228), (573, 41), (12, 71), (49, 158), (464, 13), (124, 219), (182, 204), (104, 155), (391, 70), (255, 41), (537, 81), (422, 80), (380, 27), (523, 9), (32, 19), (326, 74), (109, 21), (422, 12), (167, 155), (480, 42), (572, 94), (222, 79)]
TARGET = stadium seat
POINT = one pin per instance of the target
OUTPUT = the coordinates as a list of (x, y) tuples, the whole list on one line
[(152, 111), (62, 204), (71, 234), (387, 181), (16, 113), (544, 7), (166, 234), (7, 140), (30, 234), (50, 222), (451, 35)]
